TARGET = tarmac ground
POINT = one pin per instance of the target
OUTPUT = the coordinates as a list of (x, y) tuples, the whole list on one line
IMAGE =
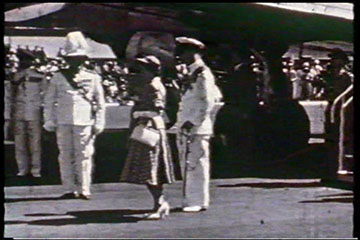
[(240, 208)]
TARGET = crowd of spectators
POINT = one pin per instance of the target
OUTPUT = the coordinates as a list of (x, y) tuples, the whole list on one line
[(114, 74), (11, 62), (115, 82), (308, 78), (307, 75)]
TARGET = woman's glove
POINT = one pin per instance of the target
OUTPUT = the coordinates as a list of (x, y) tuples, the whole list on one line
[(49, 126), (96, 129)]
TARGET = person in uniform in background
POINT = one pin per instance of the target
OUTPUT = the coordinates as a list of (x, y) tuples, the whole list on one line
[(75, 109), (307, 80), (339, 75), (195, 123), (319, 84), (28, 100), (11, 67), (291, 73)]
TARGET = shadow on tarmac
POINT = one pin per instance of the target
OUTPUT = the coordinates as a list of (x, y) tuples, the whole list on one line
[(94, 216), (337, 195), (43, 214), (281, 184), (85, 217), (273, 185), (15, 222), (13, 200), (326, 200)]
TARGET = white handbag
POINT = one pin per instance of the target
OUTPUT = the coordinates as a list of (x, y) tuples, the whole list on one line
[(146, 135)]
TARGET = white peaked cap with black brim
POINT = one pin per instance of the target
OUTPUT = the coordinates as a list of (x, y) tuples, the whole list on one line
[(190, 42)]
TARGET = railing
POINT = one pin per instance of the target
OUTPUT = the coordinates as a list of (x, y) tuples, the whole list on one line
[(337, 100), (344, 104), (341, 169)]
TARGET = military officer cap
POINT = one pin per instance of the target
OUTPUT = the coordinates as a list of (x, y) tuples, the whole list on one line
[(151, 62), (188, 44), (75, 45)]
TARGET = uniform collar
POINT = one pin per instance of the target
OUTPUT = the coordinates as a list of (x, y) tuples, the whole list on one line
[(195, 65)]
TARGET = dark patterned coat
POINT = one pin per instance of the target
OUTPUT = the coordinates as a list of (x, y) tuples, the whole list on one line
[(145, 164)]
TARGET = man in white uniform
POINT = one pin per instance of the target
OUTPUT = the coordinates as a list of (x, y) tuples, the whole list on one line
[(11, 67), (75, 109), (195, 120), (30, 86)]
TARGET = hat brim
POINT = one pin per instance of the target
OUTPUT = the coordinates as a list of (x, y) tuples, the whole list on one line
[(78, 53), (142, 60), (75, 55), (190, 42)]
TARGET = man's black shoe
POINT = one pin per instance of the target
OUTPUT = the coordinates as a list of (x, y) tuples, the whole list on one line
[(84, 197), (68, 196)]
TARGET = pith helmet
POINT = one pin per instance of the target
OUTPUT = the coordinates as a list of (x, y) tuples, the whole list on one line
[(76, 45)]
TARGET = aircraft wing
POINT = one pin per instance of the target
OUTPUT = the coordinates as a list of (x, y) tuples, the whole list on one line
[(340, 10)]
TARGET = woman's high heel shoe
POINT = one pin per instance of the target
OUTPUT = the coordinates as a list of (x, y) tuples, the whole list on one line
[(162, 212)]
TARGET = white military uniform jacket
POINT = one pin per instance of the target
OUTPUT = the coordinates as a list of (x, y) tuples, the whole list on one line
[(197, 103), (29, 96), (67, 106)]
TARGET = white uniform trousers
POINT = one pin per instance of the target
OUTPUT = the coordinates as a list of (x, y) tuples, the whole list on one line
[(27, 136), (7, 124), (195, 168), (76, 147)]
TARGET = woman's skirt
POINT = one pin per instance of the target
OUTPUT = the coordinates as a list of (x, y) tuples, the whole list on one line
[(149, 165)]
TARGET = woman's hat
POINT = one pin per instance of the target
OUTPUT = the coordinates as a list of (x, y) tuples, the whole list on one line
[(150, 61)]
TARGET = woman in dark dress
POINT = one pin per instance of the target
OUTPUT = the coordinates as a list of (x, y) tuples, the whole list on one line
[(145, 164)]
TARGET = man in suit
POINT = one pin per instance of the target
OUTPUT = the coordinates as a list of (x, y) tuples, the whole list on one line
[(75, 109), (195, 120)]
